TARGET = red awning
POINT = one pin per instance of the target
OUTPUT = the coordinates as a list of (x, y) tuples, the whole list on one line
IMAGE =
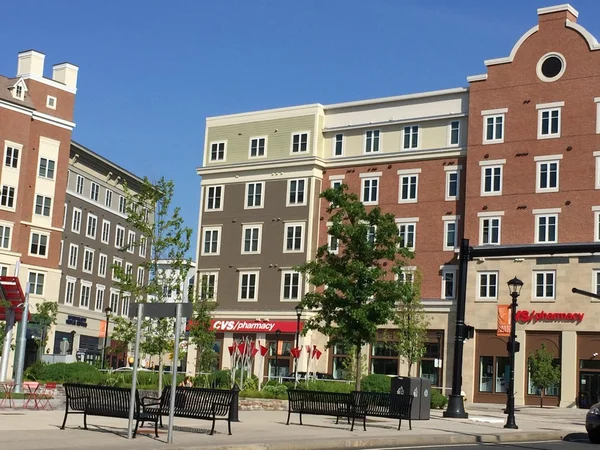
[(10, 290)]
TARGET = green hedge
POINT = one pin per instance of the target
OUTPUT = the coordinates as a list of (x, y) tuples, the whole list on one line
[(438, 400), (376, 383)]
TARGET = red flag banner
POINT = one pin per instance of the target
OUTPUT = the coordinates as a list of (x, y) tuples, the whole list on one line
[(263, 350), (308, 349), (318, 353), (231, 348), (295, 352), (254, 351), (242, 348), (503, 328), (314, 350)]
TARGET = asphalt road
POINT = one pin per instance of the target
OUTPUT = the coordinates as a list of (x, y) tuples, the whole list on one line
[(576, 442)]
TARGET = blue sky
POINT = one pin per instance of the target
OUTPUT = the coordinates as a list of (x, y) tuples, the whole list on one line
[(152, 71)]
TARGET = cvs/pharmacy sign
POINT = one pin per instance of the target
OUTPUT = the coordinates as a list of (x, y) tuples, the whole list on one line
[(254, 326)]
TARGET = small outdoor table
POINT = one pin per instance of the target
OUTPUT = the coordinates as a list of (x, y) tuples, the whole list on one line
[(6, 390), (31, 394)]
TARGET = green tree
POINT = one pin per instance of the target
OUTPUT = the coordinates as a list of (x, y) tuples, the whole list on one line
[(542, 371), (355, 287), (44, 317), (200, 334), (122, 336), (161, 232)]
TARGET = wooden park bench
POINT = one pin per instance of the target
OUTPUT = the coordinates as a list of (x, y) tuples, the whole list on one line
[(322, 404), (381, 404), (105, 401)]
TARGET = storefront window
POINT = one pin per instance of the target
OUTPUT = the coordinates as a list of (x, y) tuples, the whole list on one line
[(486, 373), (502, 373), (552, 390), (384, 359), (339, 369), (427, 365), (279, 359)]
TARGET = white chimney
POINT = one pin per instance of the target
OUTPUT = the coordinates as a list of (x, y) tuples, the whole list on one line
[(65, 73), (31, 63)]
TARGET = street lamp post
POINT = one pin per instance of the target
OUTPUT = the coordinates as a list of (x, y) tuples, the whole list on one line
[(298, 315), (514, 287), (438, 335), (277, 335), (107, 311)]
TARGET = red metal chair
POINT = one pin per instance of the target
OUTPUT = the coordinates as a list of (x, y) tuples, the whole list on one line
[(46, 395)]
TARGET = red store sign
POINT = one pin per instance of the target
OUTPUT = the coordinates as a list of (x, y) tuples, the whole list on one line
[(524, 316), (254, 326)]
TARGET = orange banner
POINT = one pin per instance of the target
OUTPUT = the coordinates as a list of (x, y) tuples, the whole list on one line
[(503, 320), (102, 332)]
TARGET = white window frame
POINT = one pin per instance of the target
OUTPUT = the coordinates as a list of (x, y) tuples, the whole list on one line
[(452, 170), (251, 226), (94, 191), (300, 133), (218, 229), (131, 241), (107, 240), (542, 161), (406, 222), (102, 265), (37, 274), (262, 195), (90, 218), (369, 179), (79, 190), (595, 283), (14, 197), (100, 288), (40, 234), (487, 273), (45, 173), (451, 128), (445, 270), (210, 151), (375, 136), (141, 275), (13, 146), (491, 216), (116, 262), (304, 192), (291, 273), (214, 188), (4, 226), (73, 249), (534, 295), (492, 165), (143, 245), (114, 300), (256, 285), (88, 285), (447, 221), (302, 236), (129, 271), (208, 274), (108, 197), (409, 130), (125, 303), (45, 200), (330, 241), (547, 214), (88, 251), (70, 285), (494, 115), (65, 211), (122, 204), (119, 228), (549, 108), (76, 225), (257, 139), (335, 142), (51, 102), (408, 175)]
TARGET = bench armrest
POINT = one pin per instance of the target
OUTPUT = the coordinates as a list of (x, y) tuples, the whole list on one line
[(152, 401)]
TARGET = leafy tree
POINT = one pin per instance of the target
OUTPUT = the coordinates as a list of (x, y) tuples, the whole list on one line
[(45, 317), (122, 336), (542, 371), (200, 334), (356, 291)]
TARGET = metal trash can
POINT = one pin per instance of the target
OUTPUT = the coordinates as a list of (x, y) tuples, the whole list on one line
[(420, 389)]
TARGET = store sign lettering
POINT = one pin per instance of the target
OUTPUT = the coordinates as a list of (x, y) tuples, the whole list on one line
[(253, 326), (524, 316), (76, 320)]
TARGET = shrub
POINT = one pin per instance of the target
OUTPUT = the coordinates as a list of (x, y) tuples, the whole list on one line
[(277, 390), (262, 394), (323, 386), (438, 400), (376, 383), (34, 371), (77, 372)]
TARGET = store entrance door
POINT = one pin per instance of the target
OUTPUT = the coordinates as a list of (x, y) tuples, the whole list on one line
[(589, 388)]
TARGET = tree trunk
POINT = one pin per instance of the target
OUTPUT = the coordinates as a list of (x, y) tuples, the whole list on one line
[(358, 366), (541, 397), (409, 368)]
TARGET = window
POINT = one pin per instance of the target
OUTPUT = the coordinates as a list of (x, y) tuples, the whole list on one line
[(489, 230), (547, 175), (488, 285), (79, 185), (491, 180), (129, 271), (251, 237), (5, 232), (11, 158), (248, 286), (43, 205), (88, 260), (372, 234), (290, 286), (99, 297), (105, 232), (410, 137), (64, 224), (217, 151), (211, 243), (254, 195), (493, 129), (546, 229), (7, 199), (102, 263), (122, 204), (131, 241), (70, 290), (338, 145), (408, 188), (19, 92), (299, 142), (548, 123), (332, 242), (46, 169), (142, 246), (336, 184), (258, 147), (450, 233), (73, 253), (407, 275), (214, 198), (208, 286), (296, 192), (448, 283), (370, 191), (384, 355), (85, 294), (141, 276), (454, 133), (293, 237), (92, 225), (51, 102), (117, 262), (452, 184), (114, 301), (544, 284), (108, 194), (36, 283), (94, 191), (39, 244), (76, 223), (372, 141), (125, 305), (119, 237), (407, 235), (493, 368)]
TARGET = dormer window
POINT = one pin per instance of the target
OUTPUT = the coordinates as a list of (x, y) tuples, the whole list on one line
[(19, 92)]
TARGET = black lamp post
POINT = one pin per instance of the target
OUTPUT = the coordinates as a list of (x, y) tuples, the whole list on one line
[(277, 335), (107, 311), (438, 335), (514, 287), (298, 309)]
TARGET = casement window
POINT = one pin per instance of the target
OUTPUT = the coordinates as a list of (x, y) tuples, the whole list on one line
[(596, 281), (410, 137), (489, 230), (88, 260), (129, 271), (70, 290), (450, 232), (372, 234), (217, 151), (102, 264), (336, 184), (108, 195), (448, 283), (114, 301), (254, 195), (211, 242), (122, 204), (452, 184), (338, 145), (105, 238), (119, 236), (131, 241), (546, 228), (73, 253), (491, 180), (141, 275), (296, 192), (370, 191), (76, 221), (99, 297), (51, 102), (5, 233), (549, 120), (300, 142), (11, 156), (408, 187), (7, 198), (117, 262), (143, 243), (294, 237), (454, 133), (547, 173), (248, 288), (406, 275), (46, 169), (332, 242), (488, 285), (372, 141), (92, 226), (36, 282), (407, 233), (43, 205), (258, 147), (544, 284), (208, 285), (214, 198), (38, 245), (125, 305), (251, 239), (94, 191), (79, 185), (290, 285), (3, 270), (493, 128)]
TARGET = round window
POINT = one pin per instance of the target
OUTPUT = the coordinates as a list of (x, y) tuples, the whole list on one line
[(551, 67)]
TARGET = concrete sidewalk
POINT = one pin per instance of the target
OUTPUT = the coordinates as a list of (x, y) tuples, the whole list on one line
[(258, 430)]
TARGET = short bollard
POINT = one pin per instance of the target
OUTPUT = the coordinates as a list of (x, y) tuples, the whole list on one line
[(235, 403)]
